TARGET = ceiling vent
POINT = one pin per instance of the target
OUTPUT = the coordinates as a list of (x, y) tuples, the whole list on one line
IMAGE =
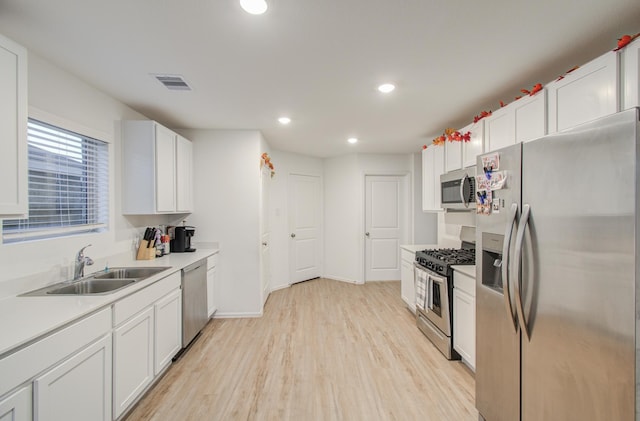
[(173, 82)]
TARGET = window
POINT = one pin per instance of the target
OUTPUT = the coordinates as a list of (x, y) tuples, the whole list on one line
[(68, 185)]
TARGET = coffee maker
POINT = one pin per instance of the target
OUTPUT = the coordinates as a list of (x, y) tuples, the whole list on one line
[(181, 239)]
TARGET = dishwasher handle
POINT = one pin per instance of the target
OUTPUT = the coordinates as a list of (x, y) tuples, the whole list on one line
[(192, 267)]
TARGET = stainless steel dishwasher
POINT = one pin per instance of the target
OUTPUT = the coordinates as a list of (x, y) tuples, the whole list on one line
[(194, 300)]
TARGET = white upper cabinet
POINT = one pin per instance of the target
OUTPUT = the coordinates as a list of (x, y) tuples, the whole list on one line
[(474, 147), (523, 120), (585, 94), (530, 117), (453, 156), (165, 169), (631, 75), (184, 175), (432, 169), (13, 129), (499, 128), (157, 170)]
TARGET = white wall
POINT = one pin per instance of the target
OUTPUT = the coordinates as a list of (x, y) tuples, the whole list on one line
[(342, 216), (285, 163), (62, 98), (227, 211), (344, 209), (424, 223)]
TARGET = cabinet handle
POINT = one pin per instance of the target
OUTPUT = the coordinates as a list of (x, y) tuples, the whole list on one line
[(293, 235)]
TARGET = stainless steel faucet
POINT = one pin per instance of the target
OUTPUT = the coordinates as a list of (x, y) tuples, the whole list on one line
[(81, 261)]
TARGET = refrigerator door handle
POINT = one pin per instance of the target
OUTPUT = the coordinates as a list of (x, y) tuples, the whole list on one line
[(524, 221), (513, 213)]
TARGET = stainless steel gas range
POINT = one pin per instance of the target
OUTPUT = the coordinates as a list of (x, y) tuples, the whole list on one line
[(434, 293)]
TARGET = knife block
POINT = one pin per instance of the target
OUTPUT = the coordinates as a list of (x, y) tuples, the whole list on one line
[(145, 252)]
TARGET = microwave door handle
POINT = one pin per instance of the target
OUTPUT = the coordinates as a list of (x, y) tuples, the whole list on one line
[(463, 180), (524, 221), (513, 214)]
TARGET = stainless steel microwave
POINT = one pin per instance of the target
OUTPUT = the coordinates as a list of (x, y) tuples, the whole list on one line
[(458, 189)]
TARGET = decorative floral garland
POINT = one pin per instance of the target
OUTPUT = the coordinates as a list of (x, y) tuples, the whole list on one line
[(266, 160), (453, 135)]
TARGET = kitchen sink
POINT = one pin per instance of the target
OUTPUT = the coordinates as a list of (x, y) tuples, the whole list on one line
[(128, 273), (99, 283), (91, 286)]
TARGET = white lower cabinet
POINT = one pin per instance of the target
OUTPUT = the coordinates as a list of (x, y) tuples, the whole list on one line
[(407, 287), (78, 389), (211, 285), (168, 329), (17, 406), (464, 318), (147, 334), (132, 360)]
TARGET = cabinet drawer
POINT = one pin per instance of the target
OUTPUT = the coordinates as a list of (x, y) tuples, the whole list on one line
[(212, 261), (133, 304), (22, 365), (464, 283)]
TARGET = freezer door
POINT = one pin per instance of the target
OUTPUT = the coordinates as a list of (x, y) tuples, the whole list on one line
[(578, 272), (497, 336)]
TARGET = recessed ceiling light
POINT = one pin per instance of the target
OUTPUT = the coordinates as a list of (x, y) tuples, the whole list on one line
[(284, 120), (255, 7), (352, 140), (385, 88)]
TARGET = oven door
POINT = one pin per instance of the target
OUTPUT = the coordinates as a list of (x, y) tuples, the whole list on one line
[(438, 303)]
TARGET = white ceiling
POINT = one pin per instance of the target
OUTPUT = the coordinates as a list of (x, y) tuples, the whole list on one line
[(319, 61)]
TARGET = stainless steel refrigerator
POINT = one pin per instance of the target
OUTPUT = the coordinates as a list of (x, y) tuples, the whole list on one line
[(557, 268)]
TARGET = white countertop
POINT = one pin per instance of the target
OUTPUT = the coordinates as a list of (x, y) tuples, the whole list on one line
[(417, 247), (24, 319), (469, 270)]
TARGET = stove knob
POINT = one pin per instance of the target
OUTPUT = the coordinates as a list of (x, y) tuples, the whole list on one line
[(440, 268)]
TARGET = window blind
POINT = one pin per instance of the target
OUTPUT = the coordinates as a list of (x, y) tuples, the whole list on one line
[(68, 185)]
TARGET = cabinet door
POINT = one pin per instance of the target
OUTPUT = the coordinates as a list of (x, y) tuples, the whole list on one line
[(407, 289), (132, 360), (211, 296), (432, 168), (17, 406), (587, 93), (78, 389), (13, 129), (453, 156), (184, 175), (631, 75), (168, 329), (475, 147), (165, 169), (464, 326), (530, 117), (499, 129)]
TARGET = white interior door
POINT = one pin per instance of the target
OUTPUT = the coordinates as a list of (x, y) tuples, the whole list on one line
[(305, 206), (265, 230), (384, 226)]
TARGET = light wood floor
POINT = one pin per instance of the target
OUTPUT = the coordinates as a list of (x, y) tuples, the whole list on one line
[(324, 350)]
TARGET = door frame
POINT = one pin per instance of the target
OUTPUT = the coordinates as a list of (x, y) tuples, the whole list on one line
[(289, 223), (407, 237)]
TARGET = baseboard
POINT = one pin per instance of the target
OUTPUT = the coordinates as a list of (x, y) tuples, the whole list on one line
[(220, 315), (338, 278), (279, 287)]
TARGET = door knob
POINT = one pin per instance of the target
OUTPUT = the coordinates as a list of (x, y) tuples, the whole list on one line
[(293, 235), (366, 233)]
